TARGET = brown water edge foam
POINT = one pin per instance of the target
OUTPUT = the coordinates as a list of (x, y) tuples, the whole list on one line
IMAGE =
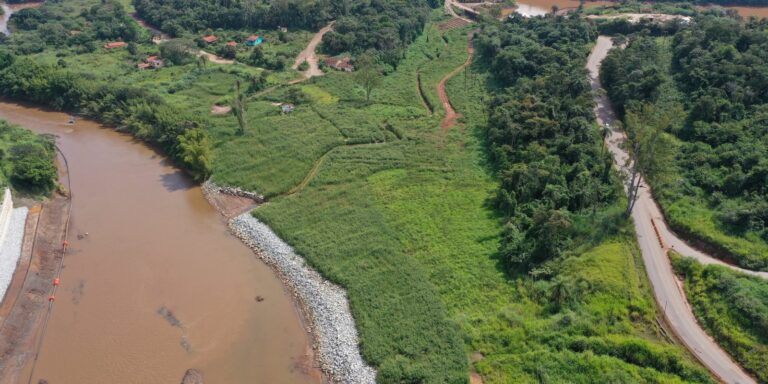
[(322, 306)]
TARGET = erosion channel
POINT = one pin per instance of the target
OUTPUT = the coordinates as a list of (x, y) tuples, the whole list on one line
[(154, 284)]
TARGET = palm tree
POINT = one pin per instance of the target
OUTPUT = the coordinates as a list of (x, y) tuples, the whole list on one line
[(239, 108)]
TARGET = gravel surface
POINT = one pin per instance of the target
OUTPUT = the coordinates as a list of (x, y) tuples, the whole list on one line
[(11, 248), (326, 304)]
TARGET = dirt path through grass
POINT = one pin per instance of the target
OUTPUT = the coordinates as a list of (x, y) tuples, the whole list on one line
[(309, 54), (450, 114)]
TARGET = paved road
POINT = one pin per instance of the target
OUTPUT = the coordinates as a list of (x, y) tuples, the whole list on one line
[(309, 54), (647, 219)]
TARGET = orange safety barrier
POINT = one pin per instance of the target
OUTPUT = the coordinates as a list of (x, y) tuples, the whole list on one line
[(56, 282), (51, 298)]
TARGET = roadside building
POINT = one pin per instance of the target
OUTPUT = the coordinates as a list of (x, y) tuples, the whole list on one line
[(210, 39), (340, 63), (151, 62)]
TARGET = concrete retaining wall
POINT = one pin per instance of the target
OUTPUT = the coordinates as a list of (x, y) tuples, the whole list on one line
[(6, 211), (12, 224)]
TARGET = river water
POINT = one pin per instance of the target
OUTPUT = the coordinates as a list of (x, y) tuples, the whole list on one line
[(154, 242)]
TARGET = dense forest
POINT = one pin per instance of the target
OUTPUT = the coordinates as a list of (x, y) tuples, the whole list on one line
[(134, 110), (26, 160), (717, 70), (542, 136), (385, 26), (733, 307), (561, 207), (51, 26)]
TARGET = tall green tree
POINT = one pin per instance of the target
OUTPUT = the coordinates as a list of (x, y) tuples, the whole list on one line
[(367, 74), (650, 148), (239, 108)]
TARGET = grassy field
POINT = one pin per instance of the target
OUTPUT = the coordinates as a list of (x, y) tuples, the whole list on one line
[(403, 222), (733, 307)]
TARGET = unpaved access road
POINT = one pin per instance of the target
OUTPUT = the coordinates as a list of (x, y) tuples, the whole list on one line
[(309, 54), (450, 114), (666, 288)]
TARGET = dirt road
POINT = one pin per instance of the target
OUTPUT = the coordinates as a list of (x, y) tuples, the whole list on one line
[(309, 54), (450, 114), (666, 288), (449, 4)]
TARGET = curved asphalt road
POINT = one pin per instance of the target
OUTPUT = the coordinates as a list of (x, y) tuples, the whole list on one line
[(648, 220)]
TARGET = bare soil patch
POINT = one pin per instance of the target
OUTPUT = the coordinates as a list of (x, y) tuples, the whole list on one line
[(40, 256)]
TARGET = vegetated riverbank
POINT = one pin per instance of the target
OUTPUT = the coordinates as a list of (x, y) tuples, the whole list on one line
[(324, 304), (180, 254)]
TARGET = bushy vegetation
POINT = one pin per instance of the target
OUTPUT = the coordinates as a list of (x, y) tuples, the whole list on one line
[(134, 110), (385, 26), (714, 70), (26, 160), (733, 307), (61, 26), (542, 136)]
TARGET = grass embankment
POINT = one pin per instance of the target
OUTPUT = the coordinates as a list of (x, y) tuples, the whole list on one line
[(733, 307)]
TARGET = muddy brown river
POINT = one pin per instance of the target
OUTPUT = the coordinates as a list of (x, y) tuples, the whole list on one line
[(155, 245)]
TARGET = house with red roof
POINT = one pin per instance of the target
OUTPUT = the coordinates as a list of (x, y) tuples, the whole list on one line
[(115, 44), (254, 40), (340, 63), (210, 39), (153, 62)]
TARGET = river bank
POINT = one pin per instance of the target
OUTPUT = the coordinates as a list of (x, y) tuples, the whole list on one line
[(26, 301), (167, 282), (324, 304)]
